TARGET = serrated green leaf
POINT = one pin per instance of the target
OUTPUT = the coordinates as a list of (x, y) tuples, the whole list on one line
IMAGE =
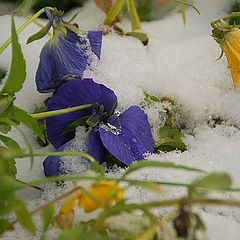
[(28, 121), (17, 72), (113, 12), (215, 181), (40, 34), (144, 164), (24, 217), (47, 215)]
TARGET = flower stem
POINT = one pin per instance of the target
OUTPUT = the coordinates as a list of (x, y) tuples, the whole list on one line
[(31, 19), (134, 18), (45, 154), (76, 154), (53, 113), (165, 203)]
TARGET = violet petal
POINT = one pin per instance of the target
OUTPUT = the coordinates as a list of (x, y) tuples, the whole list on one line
[(74, 93), (128, 136)]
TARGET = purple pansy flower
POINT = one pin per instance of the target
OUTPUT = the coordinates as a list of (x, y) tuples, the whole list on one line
[(127, 136), (66, 55)]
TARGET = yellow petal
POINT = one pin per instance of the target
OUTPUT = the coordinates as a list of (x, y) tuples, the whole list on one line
[(70, 203), (233, 62), (104, 192)]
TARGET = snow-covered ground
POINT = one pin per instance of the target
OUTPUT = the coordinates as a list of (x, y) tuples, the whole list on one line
[(179, 62)]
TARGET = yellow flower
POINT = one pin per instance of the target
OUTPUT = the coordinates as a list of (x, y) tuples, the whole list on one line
[(99, 194), (231, 47)]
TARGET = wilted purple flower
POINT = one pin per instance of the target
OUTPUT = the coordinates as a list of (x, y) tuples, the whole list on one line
[(127, 136), (66, 55)]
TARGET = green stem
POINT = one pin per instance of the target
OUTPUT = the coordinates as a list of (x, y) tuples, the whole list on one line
[(31, 19), (44, 154), (76, 154), (134, 18), (28, 185), (129, 181), (165, 203), (53, 113)]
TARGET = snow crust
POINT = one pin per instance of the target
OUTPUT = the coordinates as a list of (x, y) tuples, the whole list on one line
[(179, 62)]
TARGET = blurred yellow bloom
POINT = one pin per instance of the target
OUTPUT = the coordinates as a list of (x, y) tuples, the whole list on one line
[(231, 47), (99, 194)]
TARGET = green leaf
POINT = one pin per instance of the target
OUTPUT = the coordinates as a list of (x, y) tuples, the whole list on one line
[(2, 74), (5, 127), (80, 232), (143, 37), (17, 72), (7, 183), (113, 12), (75, 15), (149, 99), (28, 121), (183, 11), (167, 133), (172, 145), (4, 225), (24, 217), (217, 181), (47, 215), (7, 164), (143, 164), (5, 103), (170, 139), (28, 144), (10, 143), (40, 34)]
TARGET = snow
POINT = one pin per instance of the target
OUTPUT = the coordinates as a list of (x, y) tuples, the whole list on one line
[(179, 62)]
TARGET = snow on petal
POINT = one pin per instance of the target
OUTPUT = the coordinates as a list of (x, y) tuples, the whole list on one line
[(128, 136)]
